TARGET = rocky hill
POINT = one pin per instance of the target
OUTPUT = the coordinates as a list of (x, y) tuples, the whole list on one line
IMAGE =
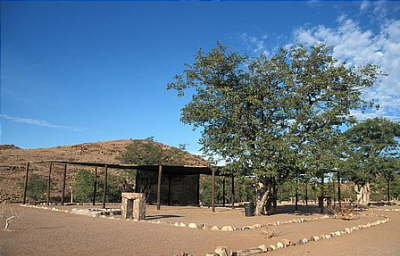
[(102, 152)]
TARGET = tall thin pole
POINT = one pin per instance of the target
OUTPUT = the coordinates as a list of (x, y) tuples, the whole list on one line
[(159, 187), (306, 193), (339, 192), (94, 187), (388, 190), (223, 191), (63, 184), (105, 186), (213, 191), (322, 194), (26, 182), (334, 192), (296, 205), (49, 183), (198, 190), (233, 191)]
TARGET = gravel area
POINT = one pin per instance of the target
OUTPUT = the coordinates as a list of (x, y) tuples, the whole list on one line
[(44, 232)]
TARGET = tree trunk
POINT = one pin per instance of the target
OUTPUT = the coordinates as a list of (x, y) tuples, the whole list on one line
[(363, 194), (263, 196)]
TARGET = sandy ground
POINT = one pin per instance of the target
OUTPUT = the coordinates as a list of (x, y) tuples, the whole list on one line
[(221, 217), (43, 232)]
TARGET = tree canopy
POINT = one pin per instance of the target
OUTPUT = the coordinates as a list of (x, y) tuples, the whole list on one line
[(272, 116)]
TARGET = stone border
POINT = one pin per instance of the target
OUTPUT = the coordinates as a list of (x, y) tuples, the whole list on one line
[(223, 251), (384, 210), (191, 225), (243, 228)]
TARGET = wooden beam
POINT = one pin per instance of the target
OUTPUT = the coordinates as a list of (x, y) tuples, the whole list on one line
[(233, 191), (49, 183), (63, 184), (223, 191), (213, 191), (105, 186), (26, 182), (94, 187), (159, 187)]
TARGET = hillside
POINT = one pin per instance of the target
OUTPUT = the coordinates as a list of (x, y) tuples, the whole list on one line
[(104, 152)]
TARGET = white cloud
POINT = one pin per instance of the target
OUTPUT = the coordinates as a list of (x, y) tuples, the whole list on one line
[(257, 44), (358, 47), (364, 5), (38, 123)]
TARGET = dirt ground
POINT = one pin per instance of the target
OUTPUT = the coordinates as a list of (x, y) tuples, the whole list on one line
[(44, 232)]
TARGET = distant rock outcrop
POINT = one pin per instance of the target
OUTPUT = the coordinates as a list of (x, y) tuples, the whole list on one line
[(8, 146)]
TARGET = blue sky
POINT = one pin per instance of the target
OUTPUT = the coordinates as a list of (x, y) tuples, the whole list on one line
[(91, 71)]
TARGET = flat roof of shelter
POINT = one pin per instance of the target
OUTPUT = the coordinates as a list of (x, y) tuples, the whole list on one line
[(169, 169)]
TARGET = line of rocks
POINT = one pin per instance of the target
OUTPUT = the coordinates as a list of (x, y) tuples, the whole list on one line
[(202, 226), (223, 250), (107, 213), (388, 210)]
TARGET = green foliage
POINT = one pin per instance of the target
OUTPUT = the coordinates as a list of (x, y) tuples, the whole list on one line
[(37, 186), (83, 186), (373, 146), (151, 153), (272, 117), (244, 190)]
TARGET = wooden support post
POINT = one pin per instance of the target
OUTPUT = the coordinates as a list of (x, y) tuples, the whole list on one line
[(233, 191), (198, 190), (306, 193), (223, 191), (159, 187), (339, 192), (213, 191), (169, 189), (63, 184), (105, 186), (94, 187), (26, 182), (296, 205), (49, 183), (322, 194), (334, 192)]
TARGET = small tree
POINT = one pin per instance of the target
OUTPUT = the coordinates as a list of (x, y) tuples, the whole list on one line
[(83, 186), (371, 142)]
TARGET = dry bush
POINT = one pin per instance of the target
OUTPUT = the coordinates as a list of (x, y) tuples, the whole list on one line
[(268, 234), (344, 212)]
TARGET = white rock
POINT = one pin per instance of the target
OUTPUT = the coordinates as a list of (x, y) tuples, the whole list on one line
[(215, 228), (315, 238), (193, 225), (263, 247), (227, 228), (222, 251)]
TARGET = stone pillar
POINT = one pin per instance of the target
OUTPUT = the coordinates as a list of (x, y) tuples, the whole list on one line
[(133, 205)]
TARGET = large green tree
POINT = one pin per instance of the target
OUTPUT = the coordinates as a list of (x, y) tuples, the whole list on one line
[(266, 115), (373, 147)]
